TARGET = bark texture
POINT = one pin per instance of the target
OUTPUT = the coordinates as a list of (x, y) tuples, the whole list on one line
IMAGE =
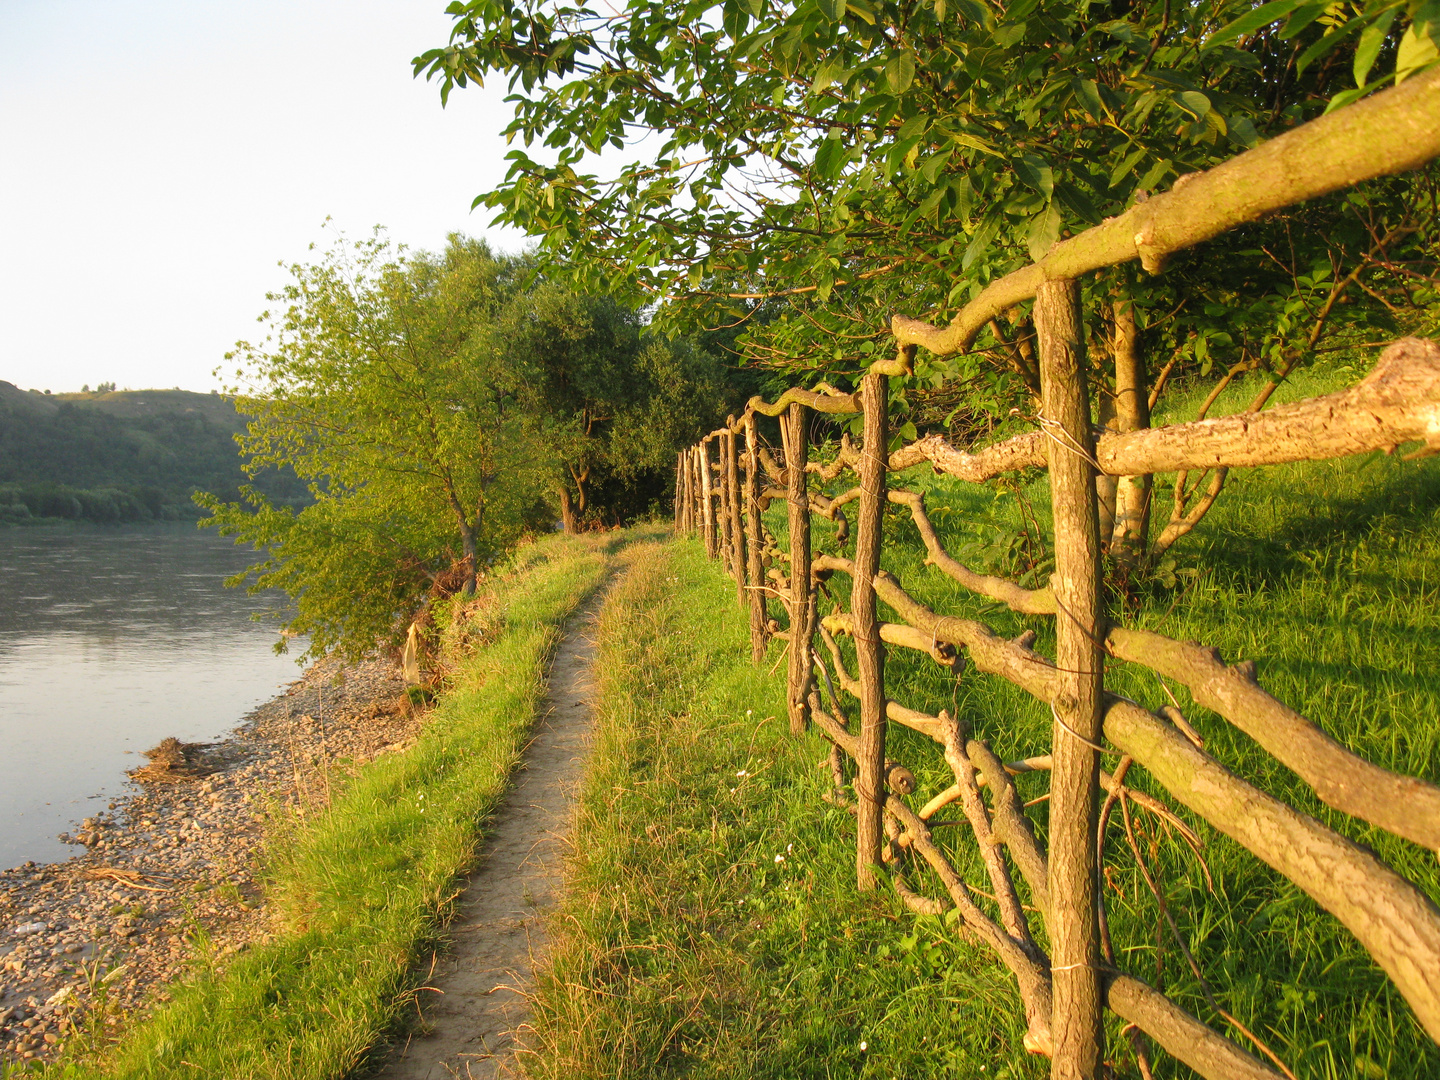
[(796, 431), (870, 653), (1074, 932)]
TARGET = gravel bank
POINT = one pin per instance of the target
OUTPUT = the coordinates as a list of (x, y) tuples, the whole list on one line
[(85, 942)]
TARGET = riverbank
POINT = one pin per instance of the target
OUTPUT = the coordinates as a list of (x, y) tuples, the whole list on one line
[(173, 866)]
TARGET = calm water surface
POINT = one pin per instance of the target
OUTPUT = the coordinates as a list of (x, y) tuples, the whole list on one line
[(110, 640)]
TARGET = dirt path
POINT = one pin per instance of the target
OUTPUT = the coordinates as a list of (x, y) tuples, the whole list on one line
[(498, 932)]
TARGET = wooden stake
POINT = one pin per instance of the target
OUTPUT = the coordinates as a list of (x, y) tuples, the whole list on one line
[(722, 498), (707, 498), (737, 527), (1074, 784), (870, 653), (754, 566), (795, 430), (679, 495)]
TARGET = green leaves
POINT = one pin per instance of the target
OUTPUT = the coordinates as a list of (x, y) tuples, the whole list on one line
[(900, 72), (1036, 173)]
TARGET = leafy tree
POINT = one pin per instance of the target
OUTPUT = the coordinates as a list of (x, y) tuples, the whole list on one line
[(385, 385), (620, 401), (801, 145), (820, 165)]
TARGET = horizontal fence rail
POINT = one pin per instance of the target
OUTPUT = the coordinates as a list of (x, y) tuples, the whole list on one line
[(726, 482)]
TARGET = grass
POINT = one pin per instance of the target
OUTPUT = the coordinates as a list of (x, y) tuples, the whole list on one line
[(711, 926), (360, 889), (688, 949)]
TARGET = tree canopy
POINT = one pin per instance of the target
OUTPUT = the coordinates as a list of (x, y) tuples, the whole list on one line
[(832, 161), (438, 406)]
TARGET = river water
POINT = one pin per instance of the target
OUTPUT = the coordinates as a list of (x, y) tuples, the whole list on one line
[(110, 640)]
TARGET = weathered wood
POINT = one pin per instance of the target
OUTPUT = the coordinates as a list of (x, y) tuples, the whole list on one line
[(1397, 403), (795, 430), (1388, 133), (1074, 784), (1396, 923), (707, 499), (870, 653), (679, 490), (1404, 805), (1131, 529), (754, 565), (1031, 601), (824, 398), (737, 526), (1181, 1035)]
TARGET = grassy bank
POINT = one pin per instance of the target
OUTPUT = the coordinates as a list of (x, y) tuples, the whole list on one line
[(359, 889), (713, 928)]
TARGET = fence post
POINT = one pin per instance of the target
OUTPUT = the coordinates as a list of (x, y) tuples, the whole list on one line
[(679, 491), (722, 498), (754, 542), (707, 496), (737, 527), (689, 517), (697, 518), (1074, 933), (795, 431), (869, 652)]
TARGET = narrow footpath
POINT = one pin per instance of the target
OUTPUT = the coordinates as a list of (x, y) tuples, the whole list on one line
[(474, 1000)]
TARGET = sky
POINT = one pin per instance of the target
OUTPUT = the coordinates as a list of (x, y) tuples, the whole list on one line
[(159, 158)]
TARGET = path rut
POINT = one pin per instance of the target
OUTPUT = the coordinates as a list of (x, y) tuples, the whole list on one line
[(498, 934)]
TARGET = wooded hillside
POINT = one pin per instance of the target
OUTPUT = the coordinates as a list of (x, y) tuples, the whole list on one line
[(129, 455)]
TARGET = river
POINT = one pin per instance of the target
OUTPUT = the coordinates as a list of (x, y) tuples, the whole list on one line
[(110, 640)]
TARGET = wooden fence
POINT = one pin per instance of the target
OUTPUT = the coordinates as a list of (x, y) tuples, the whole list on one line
[(724, 484)]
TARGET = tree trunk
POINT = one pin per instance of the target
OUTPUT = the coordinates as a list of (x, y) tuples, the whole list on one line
[(567, 510), (795, 429), (1131, 533), (754, 536), (869, 652), (1074, 783)]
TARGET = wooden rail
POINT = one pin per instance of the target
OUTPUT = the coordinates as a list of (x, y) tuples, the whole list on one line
[(1065, 992)]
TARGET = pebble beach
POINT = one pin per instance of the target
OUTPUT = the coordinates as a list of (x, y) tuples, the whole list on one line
[(174, 865)]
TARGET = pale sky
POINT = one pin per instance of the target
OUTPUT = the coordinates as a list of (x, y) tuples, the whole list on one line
[(159, 157)]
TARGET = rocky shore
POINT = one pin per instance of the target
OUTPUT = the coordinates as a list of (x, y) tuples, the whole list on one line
[(173, 868)]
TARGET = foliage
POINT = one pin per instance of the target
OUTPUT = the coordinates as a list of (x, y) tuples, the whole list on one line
[(137, 457), (438, 405), (385, 386), (620, 401), (889, 155)]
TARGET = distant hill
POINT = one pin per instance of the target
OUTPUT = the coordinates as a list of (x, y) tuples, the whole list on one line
[(128, 455)]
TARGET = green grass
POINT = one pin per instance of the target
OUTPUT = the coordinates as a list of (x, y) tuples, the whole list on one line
[(711, 927), (689, 950), (361, 888)]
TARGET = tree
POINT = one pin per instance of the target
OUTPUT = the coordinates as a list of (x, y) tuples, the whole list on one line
[(620, 401), (829, 163), (384, 384)]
